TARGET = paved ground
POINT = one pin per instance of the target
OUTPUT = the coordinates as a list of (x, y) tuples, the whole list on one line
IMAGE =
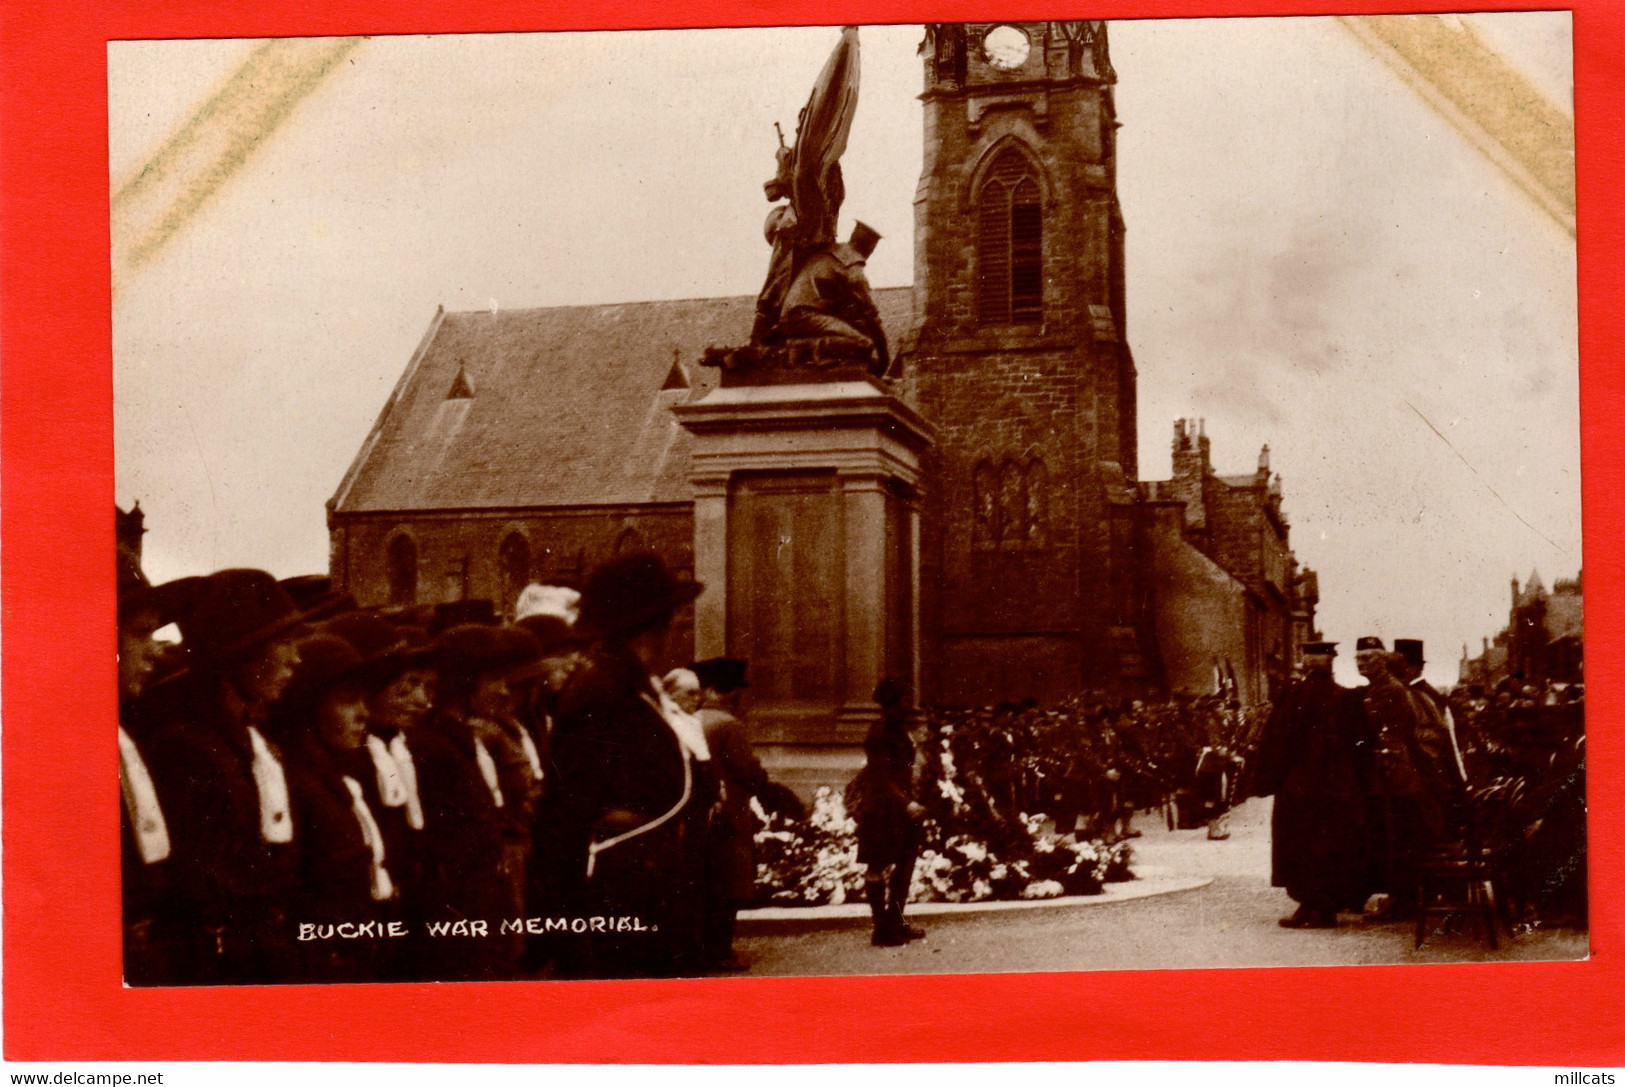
[(1229, 922)]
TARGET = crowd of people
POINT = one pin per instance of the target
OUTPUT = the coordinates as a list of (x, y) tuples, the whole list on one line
[(1090, 763), (318, 792), (1371, 783)]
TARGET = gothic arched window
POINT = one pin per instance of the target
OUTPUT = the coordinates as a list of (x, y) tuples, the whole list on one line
[(1010, 244), (1035, 521), (402, 560), (513, 557), (985, 484), (1011, 510), (1012, 505)]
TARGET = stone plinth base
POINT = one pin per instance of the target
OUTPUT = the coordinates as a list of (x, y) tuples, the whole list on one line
[(806, 536)]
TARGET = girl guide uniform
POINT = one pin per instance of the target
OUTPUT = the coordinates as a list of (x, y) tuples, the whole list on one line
[(633, 790)]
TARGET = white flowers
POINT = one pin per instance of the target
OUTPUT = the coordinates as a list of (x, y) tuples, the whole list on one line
[(1043, 888), (829, 813)]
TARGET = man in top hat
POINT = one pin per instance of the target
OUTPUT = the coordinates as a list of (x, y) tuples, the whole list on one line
[(1434, 735), (1310, 760), (1408, 819), (630, 794), (829, 300), (234, 845), (733, 829)]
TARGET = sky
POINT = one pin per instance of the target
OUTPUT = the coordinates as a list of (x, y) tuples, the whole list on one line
[(1316, 260)]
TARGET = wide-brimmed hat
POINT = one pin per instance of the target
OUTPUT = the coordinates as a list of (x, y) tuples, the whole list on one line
[(456, 613), (136, 593), (232, 612), (471, 648), (314, 595), (722, 674), (394, 648), (631, 592), (166, 601), (327, 661), (1320, 649), (554, 634)]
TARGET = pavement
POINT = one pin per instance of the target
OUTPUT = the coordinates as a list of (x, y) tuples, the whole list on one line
[(1209, 904)]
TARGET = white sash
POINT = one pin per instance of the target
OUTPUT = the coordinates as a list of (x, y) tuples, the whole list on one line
[(391, 789), (409, 780), (488, 770), (141, 801), (532, 756), (382, 889), (595, 848), (276, 821)]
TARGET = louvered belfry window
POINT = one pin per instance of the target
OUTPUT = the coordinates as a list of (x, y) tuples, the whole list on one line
[(1010, 245)]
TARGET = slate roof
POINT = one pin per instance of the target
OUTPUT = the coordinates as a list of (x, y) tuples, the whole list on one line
[(567, 407)]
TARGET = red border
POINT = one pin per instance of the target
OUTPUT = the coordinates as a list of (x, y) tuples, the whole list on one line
[(62, 996)]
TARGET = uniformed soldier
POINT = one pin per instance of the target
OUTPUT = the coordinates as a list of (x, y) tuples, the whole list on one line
[(1409, 819), (829, 300)]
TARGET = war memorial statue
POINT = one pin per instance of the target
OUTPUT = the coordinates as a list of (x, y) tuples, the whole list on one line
[(815, 318)]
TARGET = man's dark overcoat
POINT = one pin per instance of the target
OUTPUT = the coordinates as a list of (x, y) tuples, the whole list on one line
[(1311, 761), (1408, 818)]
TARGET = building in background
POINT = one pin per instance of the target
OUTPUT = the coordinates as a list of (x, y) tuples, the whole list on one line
[(1542, 641), (532, 444)]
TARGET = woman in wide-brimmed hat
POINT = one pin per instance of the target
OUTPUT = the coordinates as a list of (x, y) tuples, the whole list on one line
[(143, 608), (233, 838), (344, 875), (396, 708), (461, 869), (633, 785), (477, 712)]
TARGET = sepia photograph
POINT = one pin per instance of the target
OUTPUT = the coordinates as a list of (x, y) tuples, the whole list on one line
[(946, 498)]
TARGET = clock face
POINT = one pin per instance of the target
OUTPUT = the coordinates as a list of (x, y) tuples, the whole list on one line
[(1006, 48)]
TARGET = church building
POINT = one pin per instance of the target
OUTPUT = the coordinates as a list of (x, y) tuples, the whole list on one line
[(1028, 557)]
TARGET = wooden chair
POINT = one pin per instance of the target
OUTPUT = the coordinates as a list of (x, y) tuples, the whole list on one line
[(1467, 878)]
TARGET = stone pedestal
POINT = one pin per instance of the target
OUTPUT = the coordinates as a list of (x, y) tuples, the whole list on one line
[(806, 536)]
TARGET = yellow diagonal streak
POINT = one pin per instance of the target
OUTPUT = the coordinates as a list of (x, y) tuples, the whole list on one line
[(1492, 104), (213, 144)]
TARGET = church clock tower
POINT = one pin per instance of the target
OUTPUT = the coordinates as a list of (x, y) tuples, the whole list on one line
[(1030, 555)]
